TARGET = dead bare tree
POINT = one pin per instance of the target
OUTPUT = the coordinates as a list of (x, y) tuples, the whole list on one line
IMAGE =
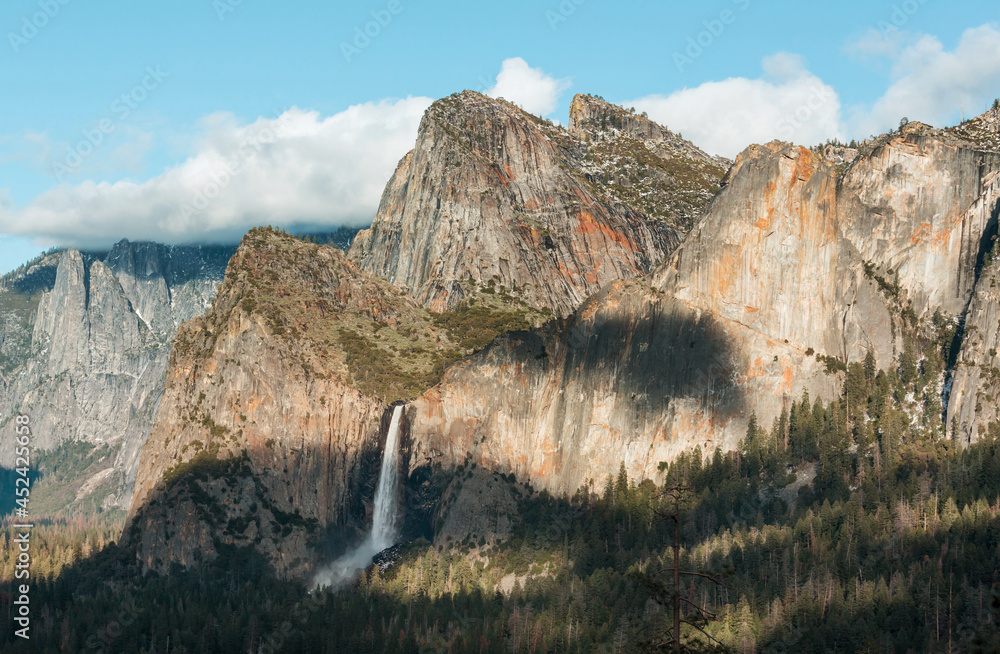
[(671, 594)]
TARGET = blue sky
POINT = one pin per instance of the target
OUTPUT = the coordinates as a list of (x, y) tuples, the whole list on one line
[(194, 119)]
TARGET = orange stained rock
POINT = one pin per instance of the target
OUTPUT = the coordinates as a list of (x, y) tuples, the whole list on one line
[(764, 222), (583, 198), (589, 225), (921, 234), (253, 403), (502, 176), (804, 165), (786, 380), (544, 468), (725, 272)]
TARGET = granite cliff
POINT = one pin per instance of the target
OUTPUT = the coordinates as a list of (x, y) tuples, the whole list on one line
[(796, 269), (806, 261), (93, 335), (493, 196)]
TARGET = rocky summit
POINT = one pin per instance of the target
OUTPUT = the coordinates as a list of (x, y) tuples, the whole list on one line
[(492, 197), (269, 430)]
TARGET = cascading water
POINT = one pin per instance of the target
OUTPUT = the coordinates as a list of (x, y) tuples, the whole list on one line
[(384, 532), (384, 518)]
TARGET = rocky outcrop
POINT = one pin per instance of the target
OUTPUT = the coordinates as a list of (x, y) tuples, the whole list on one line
[(99, 345), (783, 266), (477, 507), (269, 434), (491, 195)]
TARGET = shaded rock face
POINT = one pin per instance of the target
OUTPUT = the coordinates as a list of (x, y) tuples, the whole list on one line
[(478, 506), (99, 347), (20, 292), (263, 439), (974, 402), (491, 194), (776, 269)]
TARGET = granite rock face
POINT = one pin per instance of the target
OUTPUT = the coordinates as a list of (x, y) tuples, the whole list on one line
[(974, 402), (919, 205), (791, 260), (264, 436), (100, 339), (20, 292), (493, 195)]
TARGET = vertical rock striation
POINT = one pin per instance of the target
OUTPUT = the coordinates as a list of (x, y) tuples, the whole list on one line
[(100, 341), (491, 194)]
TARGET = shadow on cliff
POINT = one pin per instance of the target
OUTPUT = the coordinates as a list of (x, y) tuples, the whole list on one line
[(648, 353), (222, 501)]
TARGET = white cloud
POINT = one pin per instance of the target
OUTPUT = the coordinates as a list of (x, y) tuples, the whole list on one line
[(929, 83), (530, 88), (788, 103), (297, 170)]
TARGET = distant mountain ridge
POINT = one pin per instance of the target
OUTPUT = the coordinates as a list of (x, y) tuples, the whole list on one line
[(93, 345)]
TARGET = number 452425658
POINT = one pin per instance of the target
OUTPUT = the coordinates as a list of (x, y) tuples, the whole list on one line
[(23, 454)]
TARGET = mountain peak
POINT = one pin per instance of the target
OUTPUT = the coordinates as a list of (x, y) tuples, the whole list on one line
[(494, 197), (590, 112)]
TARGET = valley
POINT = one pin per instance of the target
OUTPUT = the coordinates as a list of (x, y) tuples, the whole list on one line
[(550, 328)]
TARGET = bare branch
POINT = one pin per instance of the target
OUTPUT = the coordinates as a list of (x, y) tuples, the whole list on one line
[(703, 610)]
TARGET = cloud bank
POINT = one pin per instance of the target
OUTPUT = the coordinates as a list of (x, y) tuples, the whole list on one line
[(928, 83), (296, 170), (789, 102), (302, 170)]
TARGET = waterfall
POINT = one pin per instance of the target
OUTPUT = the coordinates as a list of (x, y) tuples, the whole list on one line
[(384, 531), (384, 519)]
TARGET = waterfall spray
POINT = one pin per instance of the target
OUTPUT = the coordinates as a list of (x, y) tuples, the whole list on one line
[(384, 530)]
